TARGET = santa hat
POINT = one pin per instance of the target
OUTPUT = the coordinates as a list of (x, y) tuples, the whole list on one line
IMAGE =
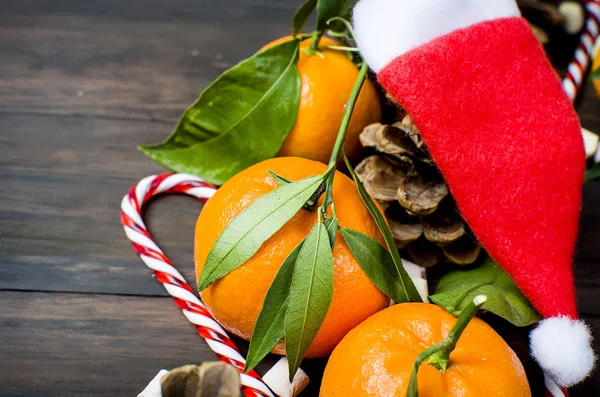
[(493, 114)]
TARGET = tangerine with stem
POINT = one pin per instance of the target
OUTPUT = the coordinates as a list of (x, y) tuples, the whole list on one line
[(236, 299), (377, 358), (327, 78)]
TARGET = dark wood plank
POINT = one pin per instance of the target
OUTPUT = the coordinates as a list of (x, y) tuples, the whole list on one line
[(73, 345), (55, 344), (123, 59), (63, 180), (206, 11)]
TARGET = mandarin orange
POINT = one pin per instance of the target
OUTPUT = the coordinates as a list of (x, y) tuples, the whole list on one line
[(236, 299), (327, 80), (375, 359)]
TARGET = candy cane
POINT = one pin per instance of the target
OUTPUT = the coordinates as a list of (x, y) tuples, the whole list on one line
[(581, 61), (165, 272), (552, 390)]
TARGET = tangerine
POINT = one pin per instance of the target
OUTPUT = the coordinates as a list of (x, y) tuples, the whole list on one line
[(327, 79), (375, 359), (236, 299)]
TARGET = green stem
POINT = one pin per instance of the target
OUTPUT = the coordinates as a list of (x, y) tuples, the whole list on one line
[(439, 355), (316, 37), (303, 36), (341, 137)]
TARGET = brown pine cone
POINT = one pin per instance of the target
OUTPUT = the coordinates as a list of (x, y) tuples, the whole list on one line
[(402, 177)]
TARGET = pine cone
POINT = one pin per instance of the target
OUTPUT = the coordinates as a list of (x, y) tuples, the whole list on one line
[(422, 215)]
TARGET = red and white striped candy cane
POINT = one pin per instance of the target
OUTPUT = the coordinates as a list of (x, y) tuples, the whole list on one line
[(581, 60), (172, 280)]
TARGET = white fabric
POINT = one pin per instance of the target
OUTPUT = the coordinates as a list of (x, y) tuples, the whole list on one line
[(422, 288), (418, 275), (385, 29), (413, 269), (562, 347), (154, 388), (591, 142), (277, 378)]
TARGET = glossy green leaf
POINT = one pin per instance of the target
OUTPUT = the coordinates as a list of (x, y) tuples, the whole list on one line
[(269, 327), (412, 295), (312, 202), (253, 226), (595, 75), (328, 9), (239, 120), (310, 295), (281, 180), (458, 288), (377, 263), (332, 225), (592, 173), (301, 16)]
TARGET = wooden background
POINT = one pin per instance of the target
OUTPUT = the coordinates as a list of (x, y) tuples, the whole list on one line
[(81, 84)]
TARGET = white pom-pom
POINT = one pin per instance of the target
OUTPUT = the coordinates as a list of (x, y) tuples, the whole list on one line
[(562, 347), (386, 29)]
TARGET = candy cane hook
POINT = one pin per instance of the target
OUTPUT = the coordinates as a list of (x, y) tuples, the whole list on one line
[(166, 273)]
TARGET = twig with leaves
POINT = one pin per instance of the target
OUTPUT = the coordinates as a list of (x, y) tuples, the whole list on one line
[(299, 297)]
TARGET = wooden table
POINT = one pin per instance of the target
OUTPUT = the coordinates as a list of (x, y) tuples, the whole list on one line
[(81, 84)]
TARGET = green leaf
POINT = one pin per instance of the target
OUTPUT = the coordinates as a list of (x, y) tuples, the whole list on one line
[(239, 120), (269, 327), (458, 288), (592, 173), (595, 74), (377, 263), (253, 226), (403, 277), (311, 203), (301, 16), (310, 295), (279, 179), (328, 9), (332, 225)]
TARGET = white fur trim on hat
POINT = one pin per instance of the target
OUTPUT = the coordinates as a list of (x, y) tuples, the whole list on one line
[(562, 347), (386, 29)]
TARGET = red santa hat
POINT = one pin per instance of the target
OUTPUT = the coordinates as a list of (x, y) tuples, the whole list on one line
[(497, 123)]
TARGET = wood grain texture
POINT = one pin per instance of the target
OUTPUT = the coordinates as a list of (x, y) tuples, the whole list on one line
[(81, 85), (88, 345), (124, 59), (64, 178)]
